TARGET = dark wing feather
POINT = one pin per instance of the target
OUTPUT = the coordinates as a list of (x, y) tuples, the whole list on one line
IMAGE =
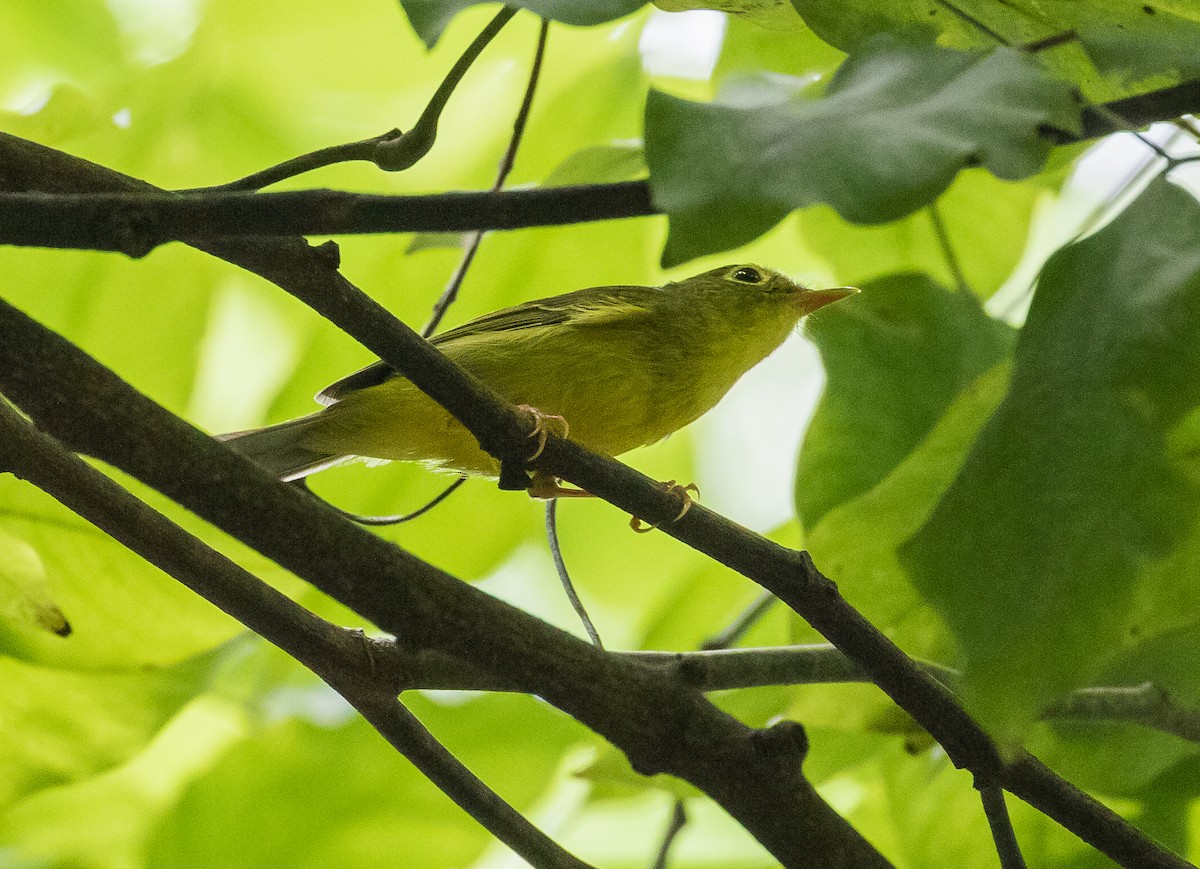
[(594, 305)]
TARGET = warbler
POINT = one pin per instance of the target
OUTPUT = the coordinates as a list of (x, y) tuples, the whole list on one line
[(613, 367)]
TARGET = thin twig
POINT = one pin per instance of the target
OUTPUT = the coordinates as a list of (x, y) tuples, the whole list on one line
[(392, 151), (409, 736), (1005, 838), (565, 578), (741, 624), (675, 826), (376, 521), (506, 164), (948, 252), (363, 150)]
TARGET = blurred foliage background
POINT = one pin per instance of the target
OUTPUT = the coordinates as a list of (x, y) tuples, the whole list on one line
[(1004, 486)]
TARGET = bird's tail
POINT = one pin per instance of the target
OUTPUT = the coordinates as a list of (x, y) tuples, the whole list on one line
[(281, 448)]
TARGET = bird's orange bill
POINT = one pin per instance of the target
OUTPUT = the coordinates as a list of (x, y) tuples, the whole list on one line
[(814, 299)]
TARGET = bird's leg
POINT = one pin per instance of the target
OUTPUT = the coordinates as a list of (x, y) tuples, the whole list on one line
[(541, 427), (684, 493)]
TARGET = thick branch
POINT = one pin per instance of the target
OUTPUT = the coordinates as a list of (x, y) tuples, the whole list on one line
[(661, 725), (49, 379), (1160, 105), (135, 224), (342, 658)]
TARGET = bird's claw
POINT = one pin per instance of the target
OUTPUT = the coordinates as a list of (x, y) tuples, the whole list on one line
[(685, 494), (546, 487), (541, 427)]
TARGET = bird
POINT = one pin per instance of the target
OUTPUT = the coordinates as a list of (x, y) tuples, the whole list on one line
[(611, 367)]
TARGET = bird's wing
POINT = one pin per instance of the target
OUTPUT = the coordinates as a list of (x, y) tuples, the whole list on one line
[(591, 306)]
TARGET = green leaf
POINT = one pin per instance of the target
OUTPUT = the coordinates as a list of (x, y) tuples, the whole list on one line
[(1136, 41), (430, 17), (749, 49), (895, 126), (1033, 555), (124, 612), (61, 726), (1110, 51), (895, 356), (856, 544)]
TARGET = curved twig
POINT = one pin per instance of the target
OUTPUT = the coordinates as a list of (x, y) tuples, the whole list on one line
[(392, 151)]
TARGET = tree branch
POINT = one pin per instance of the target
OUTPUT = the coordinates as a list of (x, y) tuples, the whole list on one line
[(344, 659), (661, 725), (136, 223), (1161, 105), (52, 382), (1003, 835), (823, 664)]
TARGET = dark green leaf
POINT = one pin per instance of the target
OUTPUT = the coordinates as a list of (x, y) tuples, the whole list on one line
[(895, 126), (430, 17), (1137, 40), (1033, 554), (1106, 48), (896, 357)]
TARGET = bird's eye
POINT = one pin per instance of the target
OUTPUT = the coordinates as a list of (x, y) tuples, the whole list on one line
[(748, 276)]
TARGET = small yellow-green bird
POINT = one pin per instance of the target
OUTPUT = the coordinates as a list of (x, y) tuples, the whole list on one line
[(623, 366)]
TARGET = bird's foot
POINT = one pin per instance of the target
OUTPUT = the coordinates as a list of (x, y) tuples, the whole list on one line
[(546, 487), (542, 423), (685, 495)]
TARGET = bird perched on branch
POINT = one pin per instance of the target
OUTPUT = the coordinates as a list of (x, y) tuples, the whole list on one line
[(614, 367)]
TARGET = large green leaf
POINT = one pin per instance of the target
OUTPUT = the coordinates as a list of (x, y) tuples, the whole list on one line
[(856, 543), (895, 357), (1110, 49), (109, 717), (1032, 556), (896, 124)]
